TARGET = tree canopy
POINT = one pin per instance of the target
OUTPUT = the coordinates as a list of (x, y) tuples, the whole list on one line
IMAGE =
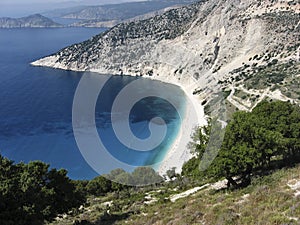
[(141, 176), (33, 193), (260, 140)]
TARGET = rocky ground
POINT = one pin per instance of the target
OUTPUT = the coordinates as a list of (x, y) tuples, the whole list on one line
[(272, 199)]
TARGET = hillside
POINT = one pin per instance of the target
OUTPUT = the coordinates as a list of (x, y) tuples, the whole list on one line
[(33, 21), (273, 199), (212, 45), (255, 179)]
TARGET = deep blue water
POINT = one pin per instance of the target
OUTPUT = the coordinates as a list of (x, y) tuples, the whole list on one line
[(65, 21), (36, 105)]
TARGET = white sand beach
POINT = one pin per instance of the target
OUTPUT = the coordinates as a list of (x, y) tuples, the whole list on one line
[(194, 115)]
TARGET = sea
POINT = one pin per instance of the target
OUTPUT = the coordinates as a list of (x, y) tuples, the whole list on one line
[(36, 105)]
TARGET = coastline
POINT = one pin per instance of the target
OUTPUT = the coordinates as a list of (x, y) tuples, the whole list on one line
[(193, 115), (178, 153)]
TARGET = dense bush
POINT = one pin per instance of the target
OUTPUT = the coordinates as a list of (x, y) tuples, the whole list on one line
[(141, 176), (254, 142), (32, 193)]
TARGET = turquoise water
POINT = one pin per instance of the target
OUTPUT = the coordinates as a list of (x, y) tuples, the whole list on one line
[(36, 105)]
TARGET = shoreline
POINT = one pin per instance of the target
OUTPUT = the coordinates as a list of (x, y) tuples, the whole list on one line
[(193, 115), (178, 153)]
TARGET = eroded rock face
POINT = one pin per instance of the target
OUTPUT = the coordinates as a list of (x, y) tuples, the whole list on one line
[(196, 45)]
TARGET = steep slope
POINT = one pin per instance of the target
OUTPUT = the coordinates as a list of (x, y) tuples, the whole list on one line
[(35, 20), (201, 46), (273, 199)]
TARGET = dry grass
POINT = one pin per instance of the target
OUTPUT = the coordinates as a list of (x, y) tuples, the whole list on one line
[(268, 200)]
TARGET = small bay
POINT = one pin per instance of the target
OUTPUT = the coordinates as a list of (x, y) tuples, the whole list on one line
[(36, 105)]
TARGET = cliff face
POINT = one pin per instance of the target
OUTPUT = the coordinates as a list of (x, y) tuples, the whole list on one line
[(36, 20), (199, 46)]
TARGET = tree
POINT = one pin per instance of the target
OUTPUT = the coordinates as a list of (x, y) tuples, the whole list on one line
[(139, 177), (200, 138), (99, 186), (10, 192), (171, 173), (145, 176), (284, 118), (116, 179), (254, 140), (191, 169), (32, 193)]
